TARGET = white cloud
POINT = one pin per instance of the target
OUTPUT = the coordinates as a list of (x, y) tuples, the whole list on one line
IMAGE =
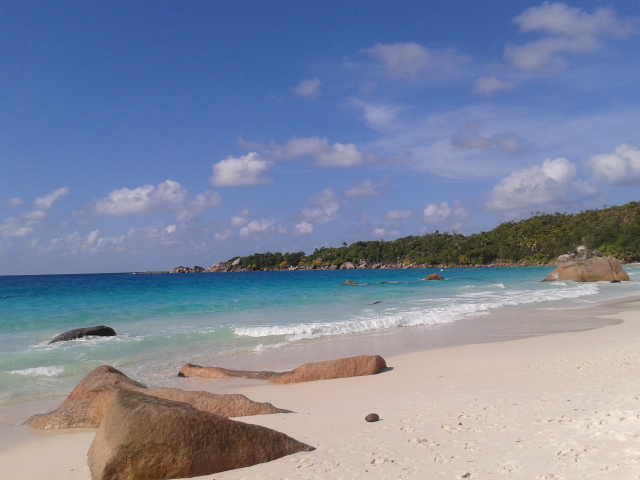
[(325, 155), (246, 170), (622, 167), (222, 236), (303, 228), (402, 60), (201, 203), (15, 201), (14, 227), (489, 85), (26, 223), (340, 155), (568, 30), (398, 215), (365, 189), (46, 202), (241, 219), (327, 211), (309, 88), (256, 227), (141, 200), (441, 213), (550, 185), (378, 117), (470, 137)]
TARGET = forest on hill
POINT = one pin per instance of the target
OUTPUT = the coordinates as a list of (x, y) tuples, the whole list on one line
[(537, 240)]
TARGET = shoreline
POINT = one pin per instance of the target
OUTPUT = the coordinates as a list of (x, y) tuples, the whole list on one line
[(561, 405)]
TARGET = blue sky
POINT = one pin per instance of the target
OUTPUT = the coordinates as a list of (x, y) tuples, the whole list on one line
[(145, 135)]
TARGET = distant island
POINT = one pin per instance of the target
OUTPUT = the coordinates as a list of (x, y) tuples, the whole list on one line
[(538, 240)]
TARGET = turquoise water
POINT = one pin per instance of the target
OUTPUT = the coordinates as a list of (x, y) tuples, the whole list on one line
[(260, 319)]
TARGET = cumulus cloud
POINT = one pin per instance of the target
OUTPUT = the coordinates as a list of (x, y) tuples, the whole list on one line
[(442, 212), (378, 117), (489, 85), (327, 209), (325, 155), (241, 219), (567, 30), (256, 227), (303, 228), (365, 189), (141, 200), (622, 167), (201, 203), (402, 60), (241, 171), (551, 185), (309, 88)]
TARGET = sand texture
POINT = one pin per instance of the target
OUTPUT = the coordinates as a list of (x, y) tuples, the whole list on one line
[(563, 406)]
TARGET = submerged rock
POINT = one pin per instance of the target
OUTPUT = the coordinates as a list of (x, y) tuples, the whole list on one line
[(142, 437), (308, 372), (97, 331)]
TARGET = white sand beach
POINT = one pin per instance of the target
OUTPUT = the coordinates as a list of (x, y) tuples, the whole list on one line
[(561, 406)]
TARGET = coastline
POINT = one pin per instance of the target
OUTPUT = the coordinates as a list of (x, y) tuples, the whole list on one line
[(561, 405)]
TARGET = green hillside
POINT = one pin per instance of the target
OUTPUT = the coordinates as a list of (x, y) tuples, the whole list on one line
[(539, 239)]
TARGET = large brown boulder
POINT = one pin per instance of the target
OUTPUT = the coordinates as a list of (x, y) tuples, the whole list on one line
[(338, 368), (87, 403), (595, 269), (148, 438)]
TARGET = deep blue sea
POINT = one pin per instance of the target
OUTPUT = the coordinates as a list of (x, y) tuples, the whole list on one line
[(268, 319)]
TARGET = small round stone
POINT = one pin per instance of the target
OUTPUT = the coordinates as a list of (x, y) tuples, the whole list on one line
[(372, 417)]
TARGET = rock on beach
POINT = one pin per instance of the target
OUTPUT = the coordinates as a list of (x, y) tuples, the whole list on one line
[(308, 372), (148, 438)]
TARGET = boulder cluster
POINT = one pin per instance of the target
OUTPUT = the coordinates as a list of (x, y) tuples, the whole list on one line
[(583, 265), (161, 433)]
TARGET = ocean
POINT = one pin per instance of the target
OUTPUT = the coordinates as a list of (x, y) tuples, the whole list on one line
[(268, 320)]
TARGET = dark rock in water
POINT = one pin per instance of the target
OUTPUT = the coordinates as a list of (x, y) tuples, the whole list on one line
[(372, 417), (434, 276), (97, 331)]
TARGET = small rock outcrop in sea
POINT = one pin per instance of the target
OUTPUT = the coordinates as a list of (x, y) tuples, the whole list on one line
[(87, 403), (143, 437), (97, 331), (583, 267), (308, 372), (434, 276)]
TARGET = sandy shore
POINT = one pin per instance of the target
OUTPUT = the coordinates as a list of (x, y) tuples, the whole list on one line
[(562, 406)]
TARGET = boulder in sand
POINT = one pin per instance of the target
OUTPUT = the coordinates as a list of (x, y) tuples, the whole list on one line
[(87, 403), (97, 331), (308, 372), (594, 269), (148, 438)]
